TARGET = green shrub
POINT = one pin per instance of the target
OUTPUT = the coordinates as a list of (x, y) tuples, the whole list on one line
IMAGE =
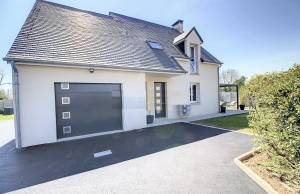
[(242, 95), (276, 120)]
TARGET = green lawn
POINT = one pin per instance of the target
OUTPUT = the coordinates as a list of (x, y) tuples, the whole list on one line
[(236, 122), (6, 117)]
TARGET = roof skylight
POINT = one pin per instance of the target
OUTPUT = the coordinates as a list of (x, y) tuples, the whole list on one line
[(155, 45)]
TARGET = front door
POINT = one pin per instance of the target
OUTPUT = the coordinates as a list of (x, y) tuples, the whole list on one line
[(159, 99)]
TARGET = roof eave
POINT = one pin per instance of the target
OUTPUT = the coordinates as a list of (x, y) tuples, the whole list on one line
[(212, 62), (179, 41), (87, 65)]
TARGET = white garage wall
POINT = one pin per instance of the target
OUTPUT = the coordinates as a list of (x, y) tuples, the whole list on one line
[(37, 98)]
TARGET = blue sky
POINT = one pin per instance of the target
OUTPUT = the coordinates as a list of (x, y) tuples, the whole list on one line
[(251, 36)]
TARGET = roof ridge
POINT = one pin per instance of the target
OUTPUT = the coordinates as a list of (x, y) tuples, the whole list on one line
[(139, 20), (99, 14), (72, 8)]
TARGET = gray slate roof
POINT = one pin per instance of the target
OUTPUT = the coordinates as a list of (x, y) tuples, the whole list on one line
[(54, 33), (184, 35), (207, 57)]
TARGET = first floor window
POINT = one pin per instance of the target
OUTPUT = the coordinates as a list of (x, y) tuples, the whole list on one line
[(193, 93)]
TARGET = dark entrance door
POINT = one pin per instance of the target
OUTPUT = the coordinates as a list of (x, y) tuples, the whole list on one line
[(159, 99), (83, 109)]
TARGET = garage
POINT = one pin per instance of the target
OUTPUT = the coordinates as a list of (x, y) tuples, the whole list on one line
[(87, 108)]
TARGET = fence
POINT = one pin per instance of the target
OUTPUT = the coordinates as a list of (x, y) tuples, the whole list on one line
[(228, 96), (5, 104), (231, 97)]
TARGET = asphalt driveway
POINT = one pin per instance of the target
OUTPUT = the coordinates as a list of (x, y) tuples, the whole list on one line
[(176, 158)]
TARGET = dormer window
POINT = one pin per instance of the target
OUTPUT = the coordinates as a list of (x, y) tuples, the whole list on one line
[(155, 45), (193, 61), (192, 54)]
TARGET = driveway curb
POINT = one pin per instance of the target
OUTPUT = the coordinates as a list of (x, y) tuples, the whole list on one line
[(262, 183)]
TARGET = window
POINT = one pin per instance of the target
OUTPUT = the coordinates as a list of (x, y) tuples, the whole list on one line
[(64, 86), (66, 115), (192, 53), (67, 129), (194, 93), (154, 45), (193, 62), (65, 100)]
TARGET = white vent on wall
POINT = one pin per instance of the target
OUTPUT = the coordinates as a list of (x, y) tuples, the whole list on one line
[(65, 100), (64, 86), (67, 129), (66, 115)]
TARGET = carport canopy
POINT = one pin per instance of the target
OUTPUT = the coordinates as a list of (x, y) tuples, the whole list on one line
[(237, 92)]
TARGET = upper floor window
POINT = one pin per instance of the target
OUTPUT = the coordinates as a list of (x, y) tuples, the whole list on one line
[(192, 53), (193, 62), (155, 45)]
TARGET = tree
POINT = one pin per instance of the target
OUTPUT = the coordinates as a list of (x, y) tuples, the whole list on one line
[(241, 81), (2, 75), (229, 76), (4, 94), (275, 120)]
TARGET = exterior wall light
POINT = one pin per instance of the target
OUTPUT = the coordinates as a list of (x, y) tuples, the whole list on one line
[(91, 70)]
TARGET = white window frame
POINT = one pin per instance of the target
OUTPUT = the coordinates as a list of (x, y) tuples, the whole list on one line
[(191, 94), (194, 52), (67, 127), (62, 100), (194, 61), (155, 45), (66, 87), (63, 115)]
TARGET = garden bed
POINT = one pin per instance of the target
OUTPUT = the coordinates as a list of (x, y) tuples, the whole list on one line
[(253, 166)]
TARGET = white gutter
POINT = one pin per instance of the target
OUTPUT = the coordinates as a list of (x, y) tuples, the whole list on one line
[(16, 105), (182, 59), (80, 65), (208, 63)]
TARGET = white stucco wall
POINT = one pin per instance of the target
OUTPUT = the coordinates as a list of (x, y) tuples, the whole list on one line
[(178, 90), (208, 90), (37, 98)]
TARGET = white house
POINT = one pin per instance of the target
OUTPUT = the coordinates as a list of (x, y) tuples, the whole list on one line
[(78, 73)]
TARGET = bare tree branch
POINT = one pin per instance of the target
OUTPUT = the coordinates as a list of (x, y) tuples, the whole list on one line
[(2, 75), (229, 76)]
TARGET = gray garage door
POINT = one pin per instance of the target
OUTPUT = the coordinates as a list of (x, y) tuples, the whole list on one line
[(83, 109)]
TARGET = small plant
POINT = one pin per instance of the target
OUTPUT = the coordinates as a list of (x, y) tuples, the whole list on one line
[(242, 95)]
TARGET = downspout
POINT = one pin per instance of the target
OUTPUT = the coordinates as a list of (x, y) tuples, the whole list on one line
[(16, 104), (219, 107)]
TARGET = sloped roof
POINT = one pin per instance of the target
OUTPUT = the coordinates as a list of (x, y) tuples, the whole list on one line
[(207, 57), (54, 33), (184, 35)]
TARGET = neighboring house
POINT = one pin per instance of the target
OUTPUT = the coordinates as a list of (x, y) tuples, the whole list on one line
[(78, 73)]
